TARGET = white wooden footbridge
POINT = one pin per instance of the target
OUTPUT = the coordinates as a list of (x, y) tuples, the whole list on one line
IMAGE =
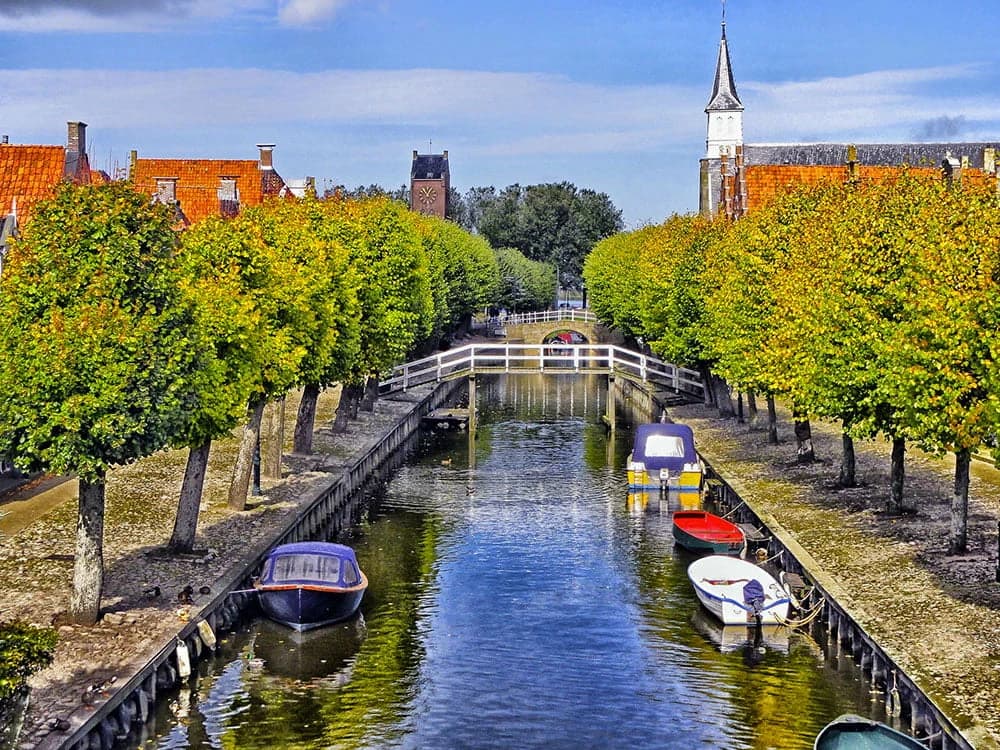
[(551, 359)]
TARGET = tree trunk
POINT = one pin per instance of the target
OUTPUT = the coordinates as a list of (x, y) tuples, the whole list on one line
[(804, 452), (723, 398), (305, 421), (752, 416), (772, 421), (896, 489), (240, 485), (960, 504), (739, 408), (706, 380), (186, 521), (343, 413), (88, 563), (370, 395), (273, 439), (848, 463), (355, 400)]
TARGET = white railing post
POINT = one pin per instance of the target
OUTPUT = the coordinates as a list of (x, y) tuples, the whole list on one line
[(676, 378), (576, 359), (642, 368)]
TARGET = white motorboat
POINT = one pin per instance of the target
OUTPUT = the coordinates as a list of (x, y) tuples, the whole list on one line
[(739, 592)]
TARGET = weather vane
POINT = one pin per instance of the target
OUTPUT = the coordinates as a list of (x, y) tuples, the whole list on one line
[(723, 12)]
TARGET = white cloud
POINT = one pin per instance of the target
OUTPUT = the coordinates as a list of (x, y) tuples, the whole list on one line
[(308, 12), (118, 16), (879, 106), (515, 106)]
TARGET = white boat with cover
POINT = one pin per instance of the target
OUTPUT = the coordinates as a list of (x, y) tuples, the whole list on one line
[(739, 592)]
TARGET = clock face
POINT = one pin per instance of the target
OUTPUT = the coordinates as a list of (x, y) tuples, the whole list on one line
[(427, 195)]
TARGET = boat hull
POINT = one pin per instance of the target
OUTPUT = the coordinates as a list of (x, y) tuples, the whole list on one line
[(719, 582), (699, 531), (849, 732), (305, 607)]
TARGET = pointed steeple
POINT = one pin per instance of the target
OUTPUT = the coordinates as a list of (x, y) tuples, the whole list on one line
[(724, 95), (724, 110)]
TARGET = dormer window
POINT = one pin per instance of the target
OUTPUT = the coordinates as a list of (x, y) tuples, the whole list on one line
[(229, 196), (166, 190)]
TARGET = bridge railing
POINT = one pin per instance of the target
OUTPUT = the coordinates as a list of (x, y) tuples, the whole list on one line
[(549, 316), (533, 358)]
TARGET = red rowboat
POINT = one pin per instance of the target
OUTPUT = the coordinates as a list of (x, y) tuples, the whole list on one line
[(701, 531)]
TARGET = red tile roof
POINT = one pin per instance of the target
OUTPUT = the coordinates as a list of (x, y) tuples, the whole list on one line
[(30, 173), (198, 180), (766, 181)]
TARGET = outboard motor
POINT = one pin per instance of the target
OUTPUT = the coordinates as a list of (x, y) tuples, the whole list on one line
[(753, 598)]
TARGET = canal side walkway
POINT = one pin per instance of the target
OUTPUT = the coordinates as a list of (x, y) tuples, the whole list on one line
[(148, 595), (938, 615)]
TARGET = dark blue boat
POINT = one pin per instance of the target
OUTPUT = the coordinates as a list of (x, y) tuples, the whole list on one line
[(308, 584)]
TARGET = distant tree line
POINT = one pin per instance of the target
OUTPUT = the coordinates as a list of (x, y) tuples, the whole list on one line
[(553, 223), (875, 304)]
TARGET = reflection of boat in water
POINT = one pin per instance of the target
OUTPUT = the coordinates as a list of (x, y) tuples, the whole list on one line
[(850, 732), (738, 592), (663, 456), (731, 638), (308, 584), (313, 654)]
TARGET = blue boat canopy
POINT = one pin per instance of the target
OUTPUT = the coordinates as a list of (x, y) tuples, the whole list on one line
[(311, 563), (664, 446)]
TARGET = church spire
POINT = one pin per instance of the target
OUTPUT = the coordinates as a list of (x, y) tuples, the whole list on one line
[(724, 95), (724, 110)]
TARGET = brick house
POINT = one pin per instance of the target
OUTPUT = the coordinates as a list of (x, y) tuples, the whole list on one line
[(737, 177), (31, 173), (430, 180), (208, 187)]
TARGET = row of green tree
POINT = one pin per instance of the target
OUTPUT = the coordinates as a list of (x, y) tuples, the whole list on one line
[(555, 223), (874, 304), (122, 336)]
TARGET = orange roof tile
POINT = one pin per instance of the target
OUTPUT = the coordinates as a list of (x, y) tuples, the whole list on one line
[(766, 181), (28, 174), (198, 181)]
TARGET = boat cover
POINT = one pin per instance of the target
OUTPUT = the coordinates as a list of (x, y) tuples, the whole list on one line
[(664, 445), (311, 562)]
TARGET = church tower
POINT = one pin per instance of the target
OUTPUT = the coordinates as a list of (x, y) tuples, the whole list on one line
[(721, 181)]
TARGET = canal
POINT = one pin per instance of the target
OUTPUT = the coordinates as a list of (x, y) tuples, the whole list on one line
[(518, 598)]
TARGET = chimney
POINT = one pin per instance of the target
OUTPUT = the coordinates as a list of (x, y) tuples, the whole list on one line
[(4, 140), (951, 168), (266, 155), (446, 154), (990, 160), (852, 163), (77, 140), (414, 154), (133, 157)]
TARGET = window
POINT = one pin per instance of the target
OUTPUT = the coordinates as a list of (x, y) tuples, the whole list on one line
[(664, 446), (304, 567), (229, 196)]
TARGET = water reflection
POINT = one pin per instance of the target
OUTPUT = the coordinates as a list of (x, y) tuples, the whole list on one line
[(518, 597)]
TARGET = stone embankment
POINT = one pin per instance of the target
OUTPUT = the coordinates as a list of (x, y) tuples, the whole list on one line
[(148, 595), (938, 614)]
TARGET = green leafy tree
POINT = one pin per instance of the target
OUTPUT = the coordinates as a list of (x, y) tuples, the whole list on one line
[(99, 367), (610, 273), (393, 288), (525, 284), (554, 223)]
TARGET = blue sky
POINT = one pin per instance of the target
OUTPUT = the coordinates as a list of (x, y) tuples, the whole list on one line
[(608, 95)]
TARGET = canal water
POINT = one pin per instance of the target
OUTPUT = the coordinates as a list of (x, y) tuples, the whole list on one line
[(519, 598)]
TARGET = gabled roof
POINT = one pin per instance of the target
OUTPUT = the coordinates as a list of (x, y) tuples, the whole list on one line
[(724, 95), (198, 181), (30, 173)]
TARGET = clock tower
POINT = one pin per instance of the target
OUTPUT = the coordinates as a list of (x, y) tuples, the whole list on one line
[(429, 183)]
